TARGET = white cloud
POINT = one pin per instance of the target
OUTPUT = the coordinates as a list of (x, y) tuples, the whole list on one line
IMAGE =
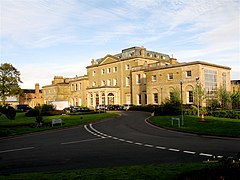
[(191, 30)]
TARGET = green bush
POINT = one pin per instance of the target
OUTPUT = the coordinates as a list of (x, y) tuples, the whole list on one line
[(43, 110), (227, 114), (32, 113)]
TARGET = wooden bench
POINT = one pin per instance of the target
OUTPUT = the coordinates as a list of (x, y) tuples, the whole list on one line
[(56, 121), (175, 119)]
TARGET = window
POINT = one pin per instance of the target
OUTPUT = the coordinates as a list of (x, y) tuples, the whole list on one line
[(145, 98), (154, 77), (80, 86), (103, 71), (115, 69), (210, 80), (155, 98), (71, 88), (138, 79), (91, 99), (103, 83), (103, 98), (115, 82), (94, 83), (188, 73), (224, 81), (76, 87), (94, 73), (139, 99), (128, 99), (170, 76), (190, 97), (127, 67), (144, 78), (108, 70), (128, 81), (109, 83)]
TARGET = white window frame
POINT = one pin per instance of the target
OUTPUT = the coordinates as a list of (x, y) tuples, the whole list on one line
[(170, 76), (154, 78), (188, 75), (138, 78), (108, 70), (127, 67), (103, 71), (128, 81)]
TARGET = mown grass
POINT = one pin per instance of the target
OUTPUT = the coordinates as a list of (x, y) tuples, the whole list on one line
[(143, 172), (23, 124), (211, 126)]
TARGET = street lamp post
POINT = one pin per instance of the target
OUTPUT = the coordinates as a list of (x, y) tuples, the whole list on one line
[(181, 82), (197, 79)]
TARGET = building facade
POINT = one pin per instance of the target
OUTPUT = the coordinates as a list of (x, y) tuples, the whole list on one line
[(137, 76)]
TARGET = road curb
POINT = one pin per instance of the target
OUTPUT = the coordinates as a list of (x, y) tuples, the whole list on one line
[(191, 133)]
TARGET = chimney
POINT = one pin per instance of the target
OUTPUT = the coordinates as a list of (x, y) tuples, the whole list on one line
[(37, 89), (173, 61), (142, 51)]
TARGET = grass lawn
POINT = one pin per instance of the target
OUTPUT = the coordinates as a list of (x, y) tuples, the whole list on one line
[(163, 171), (211, 126), (23, 124)]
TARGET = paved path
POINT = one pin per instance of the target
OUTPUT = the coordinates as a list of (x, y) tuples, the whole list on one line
[(120, 141)]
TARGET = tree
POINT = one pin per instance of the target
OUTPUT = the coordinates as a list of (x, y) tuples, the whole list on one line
[(9, 81), (235, 98), (224, 97)]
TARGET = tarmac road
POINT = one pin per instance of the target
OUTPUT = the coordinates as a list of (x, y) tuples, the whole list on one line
[(124, 140)]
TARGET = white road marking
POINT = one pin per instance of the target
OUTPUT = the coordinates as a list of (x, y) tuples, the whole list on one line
[(160, 147), (175, 150), (85, 126), (19, 149), (94, 131), (85, 140), (189, 152), (148, 145), (204, 154)]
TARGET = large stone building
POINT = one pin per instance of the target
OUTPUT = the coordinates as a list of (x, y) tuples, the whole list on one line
[(137, 76)]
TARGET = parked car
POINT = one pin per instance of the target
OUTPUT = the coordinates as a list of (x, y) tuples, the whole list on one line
[(115, 107), (76, 109), (101, 107), (23, 107), (126, 106)]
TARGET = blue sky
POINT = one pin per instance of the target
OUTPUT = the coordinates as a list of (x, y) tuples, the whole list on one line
[(43, 38)]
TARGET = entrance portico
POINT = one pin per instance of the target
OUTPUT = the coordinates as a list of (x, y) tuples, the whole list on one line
[(102, 96)]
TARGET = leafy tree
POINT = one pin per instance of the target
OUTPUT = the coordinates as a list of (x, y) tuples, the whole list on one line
[(175, 96), (224, 97), (235, 98), (9, 81)]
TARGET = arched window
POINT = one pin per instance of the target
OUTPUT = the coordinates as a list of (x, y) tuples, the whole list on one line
[(110, 99)]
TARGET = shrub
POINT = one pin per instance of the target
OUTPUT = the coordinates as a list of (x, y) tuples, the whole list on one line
[(227, 114), (32, 113)]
